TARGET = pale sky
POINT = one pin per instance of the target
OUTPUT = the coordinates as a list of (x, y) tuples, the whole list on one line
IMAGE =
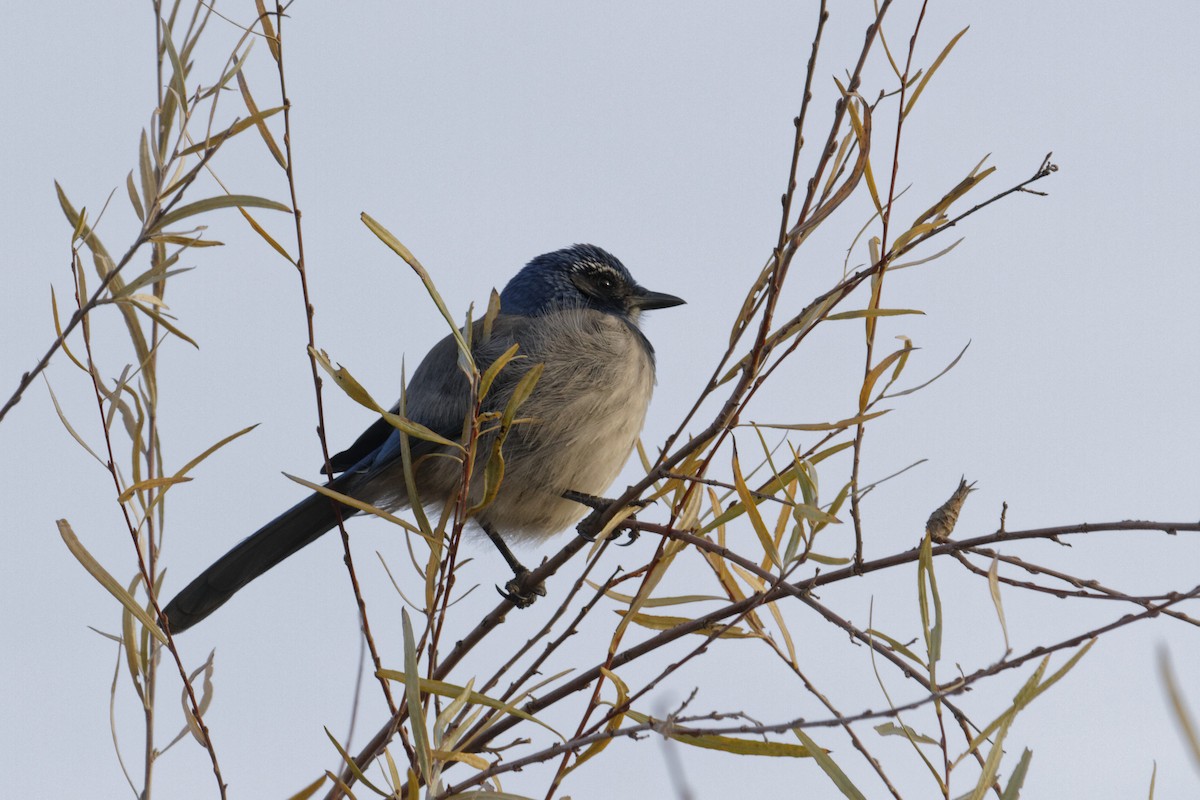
[(483, 135)]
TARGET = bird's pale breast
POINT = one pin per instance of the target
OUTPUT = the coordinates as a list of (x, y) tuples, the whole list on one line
[(585, 417)]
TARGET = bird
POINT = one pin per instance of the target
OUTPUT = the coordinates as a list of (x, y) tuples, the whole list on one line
[(576, 313)]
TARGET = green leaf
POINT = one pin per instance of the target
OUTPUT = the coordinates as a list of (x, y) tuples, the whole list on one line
[(489, 375), (892, 729), (412, 695), (839, 778), (926, 588), (898, 646), (354, 768), (1012, 791), (148, 174)]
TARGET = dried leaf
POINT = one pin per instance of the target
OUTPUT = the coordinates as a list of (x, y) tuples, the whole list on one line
[(660, 622), (444, 689), (276, 246), (214, 203), (994, 589), (151, 483), (218, 139), (756, 521), (134, 200), (937, 62), (354, 768), (106, 580), (263, 131)]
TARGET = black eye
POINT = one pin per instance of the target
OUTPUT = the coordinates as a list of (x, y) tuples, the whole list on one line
[(605, 282)]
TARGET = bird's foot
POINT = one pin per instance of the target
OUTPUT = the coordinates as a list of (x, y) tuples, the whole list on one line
[(519, 592), (599, 504)]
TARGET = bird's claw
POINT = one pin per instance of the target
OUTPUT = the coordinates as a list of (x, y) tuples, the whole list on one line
[(597, 504), (518, 591)]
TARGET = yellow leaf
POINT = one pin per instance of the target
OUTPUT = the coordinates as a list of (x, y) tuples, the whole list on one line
[(873, 312), (659, 622), (152, 483), (937, 62), (263, 131), (473, 759), (613, 723), (216, 140), (310, 790), (756, 520), (106, 580)]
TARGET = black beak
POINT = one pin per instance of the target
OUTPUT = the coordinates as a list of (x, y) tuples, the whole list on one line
[(646, 300)]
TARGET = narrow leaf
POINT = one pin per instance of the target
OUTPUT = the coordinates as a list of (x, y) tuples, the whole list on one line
[(399, 249), (994, 589), (412, 694), (354, 768), (1012, 791), (310, 790), (214, 203), (756, 520), (264, 19), (841, 424), (874, 312), (218, 139), (1179, 706), (661, 622), (151, 483), (827, 765), (355, 391), (937, 62), (892, 729), (258, 118), (444, 689), (106, 580), (261, 231), (134, 200)]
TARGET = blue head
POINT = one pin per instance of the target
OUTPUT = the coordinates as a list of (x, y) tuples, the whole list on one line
[(582, 276)]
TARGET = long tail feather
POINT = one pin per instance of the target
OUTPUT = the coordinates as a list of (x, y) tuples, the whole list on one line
[(298, 527)]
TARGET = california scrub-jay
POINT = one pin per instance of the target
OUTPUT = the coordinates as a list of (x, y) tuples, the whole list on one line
[(575, 311)]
